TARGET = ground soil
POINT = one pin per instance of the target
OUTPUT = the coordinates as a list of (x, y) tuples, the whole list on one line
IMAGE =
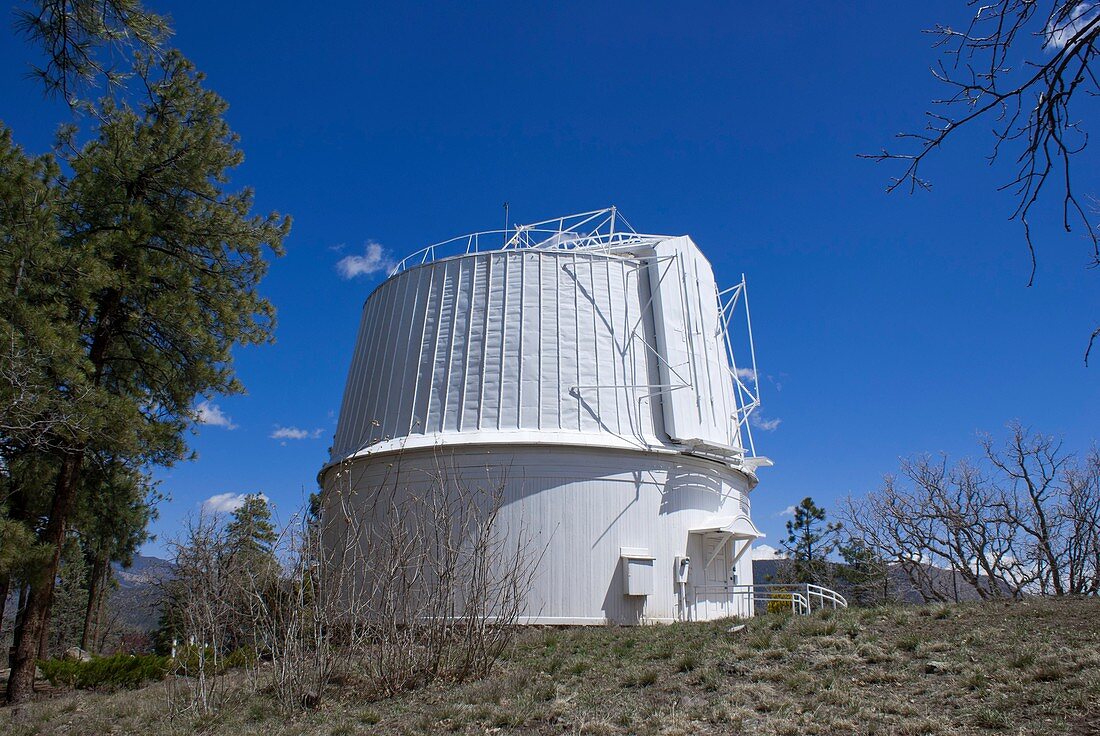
[(1020, 668)]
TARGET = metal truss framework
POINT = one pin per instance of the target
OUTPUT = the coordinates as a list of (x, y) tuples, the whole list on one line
[(747, 392), (606, 231), (599, 230)]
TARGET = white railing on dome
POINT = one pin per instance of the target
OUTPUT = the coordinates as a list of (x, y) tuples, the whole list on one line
[(607, 230), (801, 598), (600, 229)]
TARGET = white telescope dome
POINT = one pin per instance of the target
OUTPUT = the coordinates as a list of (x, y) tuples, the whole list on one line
[(594, 363)]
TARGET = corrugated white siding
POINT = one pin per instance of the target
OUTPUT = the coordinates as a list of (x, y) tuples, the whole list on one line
[(577, 379), (567, 344), (577, 508), (553, 342)]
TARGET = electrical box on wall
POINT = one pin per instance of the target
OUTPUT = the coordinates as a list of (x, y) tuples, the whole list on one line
[(681, 569), (637, 565)]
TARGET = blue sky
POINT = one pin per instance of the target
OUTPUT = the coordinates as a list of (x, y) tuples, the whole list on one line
[(886, 325)]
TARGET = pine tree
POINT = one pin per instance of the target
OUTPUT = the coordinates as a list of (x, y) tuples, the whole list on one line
[(864, 571), (810, 541), (112, 522), (149, 282), (67, 606), (74, 34), (250, 533), (26, 480)]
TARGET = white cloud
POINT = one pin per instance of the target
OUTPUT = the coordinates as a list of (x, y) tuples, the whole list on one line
[(766, 552), (295, 433), (789, 511), (224, 503), (768, 425), (375, 259), (1060, 31), (746, 374), (213, 415)]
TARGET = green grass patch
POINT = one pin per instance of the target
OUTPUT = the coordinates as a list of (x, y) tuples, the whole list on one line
[(909, 643)]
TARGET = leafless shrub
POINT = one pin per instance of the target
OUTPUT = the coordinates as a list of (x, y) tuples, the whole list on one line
[(440, 581), (200, 595), (398, 584)]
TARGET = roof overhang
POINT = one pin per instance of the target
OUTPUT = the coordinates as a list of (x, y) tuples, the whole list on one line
[(734, 529), (737, 527)]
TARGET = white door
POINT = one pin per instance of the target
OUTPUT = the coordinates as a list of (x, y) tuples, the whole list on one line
[(718, 571), (712, 595)]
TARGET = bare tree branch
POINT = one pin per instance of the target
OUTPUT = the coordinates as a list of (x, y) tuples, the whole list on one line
[(1026, 521), (1029, 102)]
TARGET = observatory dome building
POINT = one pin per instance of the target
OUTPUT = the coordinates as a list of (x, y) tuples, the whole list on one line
[(591, 369)]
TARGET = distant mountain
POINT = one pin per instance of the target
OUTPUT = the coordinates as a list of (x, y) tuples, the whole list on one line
[(140, 591), (144, 571)]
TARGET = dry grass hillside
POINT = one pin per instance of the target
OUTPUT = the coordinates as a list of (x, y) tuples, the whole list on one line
[(1029, 668)]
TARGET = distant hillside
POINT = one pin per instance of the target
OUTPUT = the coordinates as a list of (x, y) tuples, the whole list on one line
[(144, 571), (900, 589), (137, 598)]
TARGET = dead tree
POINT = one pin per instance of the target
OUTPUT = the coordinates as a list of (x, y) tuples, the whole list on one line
[(1081, 515), (1018, 66), (1025, 521), (1031, 466), (890, 524)]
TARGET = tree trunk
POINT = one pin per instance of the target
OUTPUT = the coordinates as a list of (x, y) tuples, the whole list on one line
[(91, 613), (35, 615), (17, 511), (44, 632), (34, 620), (5, 585), (20, 607), (103, 624)]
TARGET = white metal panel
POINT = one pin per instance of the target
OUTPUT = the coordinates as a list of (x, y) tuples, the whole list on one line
[(739, 526), (638, 576), (717, 569), (579, 508), (698, 398), (506, 341)]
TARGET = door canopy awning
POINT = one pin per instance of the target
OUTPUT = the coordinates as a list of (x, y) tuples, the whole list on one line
[(737, 527), (734, 529)]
